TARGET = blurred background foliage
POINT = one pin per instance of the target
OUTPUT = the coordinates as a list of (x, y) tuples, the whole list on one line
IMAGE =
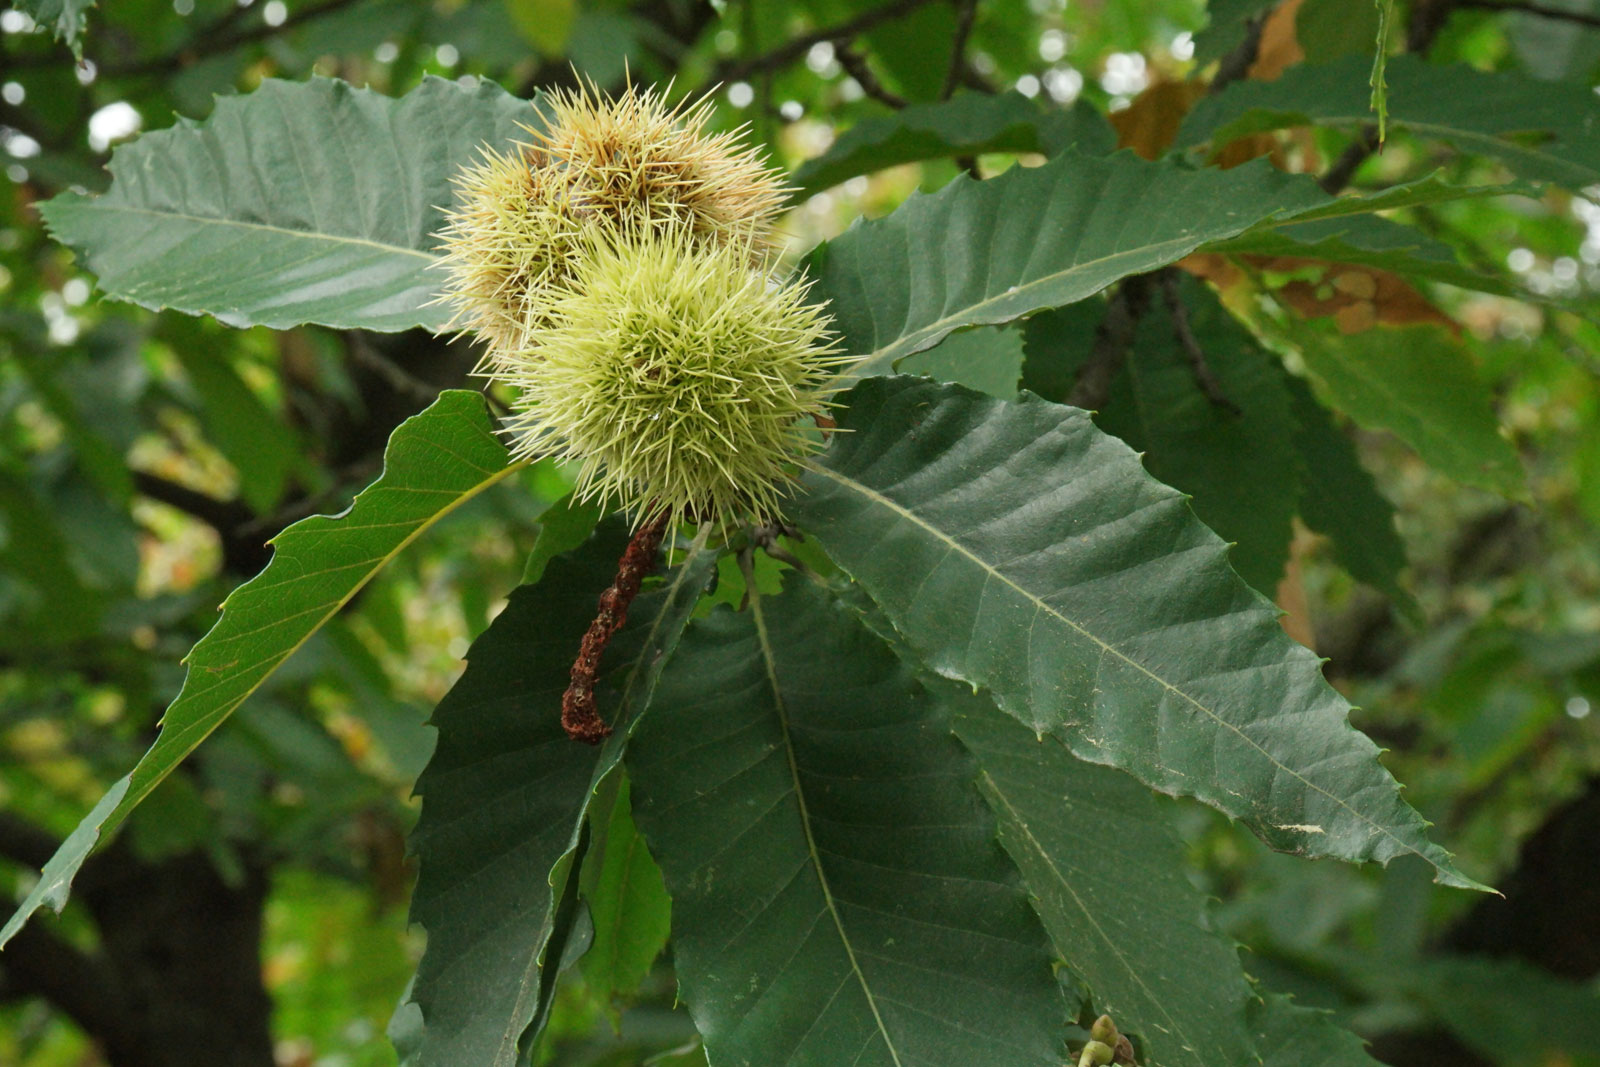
[(145, 460)]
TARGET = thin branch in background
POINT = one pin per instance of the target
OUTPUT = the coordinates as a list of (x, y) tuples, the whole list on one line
[(1355, 153), (766, 538), (220, 36), (243, 551), (1204, 377), (972, 78), (224, 516), (1112, 340), (38, 963), (362, 351), (790, 51), (966, 14), (855, 65), (23, 842), (1236, 64), (333, 498), (1582, 18)]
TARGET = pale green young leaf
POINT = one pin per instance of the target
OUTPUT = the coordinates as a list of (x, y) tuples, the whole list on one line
[(435, 462), (628, 904), (1020, 549), (55, 880), (563, 526), (1380, 61)]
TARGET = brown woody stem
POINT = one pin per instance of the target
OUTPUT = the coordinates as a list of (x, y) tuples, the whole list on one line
[(579, 716)]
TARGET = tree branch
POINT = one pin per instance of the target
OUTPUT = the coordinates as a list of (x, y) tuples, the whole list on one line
[(242, 552), (37, 963), (790, 51), (1204, 376), (855, 64), (25, 843), (1236, 64), (966, 14), (1112, 339), (363, 352), (220, 36), (1527, 7), (1355, 153)]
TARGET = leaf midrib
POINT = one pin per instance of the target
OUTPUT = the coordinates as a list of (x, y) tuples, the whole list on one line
[(868, 365), (1105, 646), (769, 663), (211, 220), (1066, 883), (1495, 143), (511, 1036), (139, 789)]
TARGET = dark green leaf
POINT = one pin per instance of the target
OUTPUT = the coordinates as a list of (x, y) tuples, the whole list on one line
[(1421, 384), (1329, 29), (1509, 1010), (1052, 347), (1226, 29), (49, 599), (563, 526), (1542, 130), (986, 359), (914, 49), (301, 202), (1291, 1036), (837, 892), (435, 462), (505, 798), (965, 125), (978, 253), (1429, 189), (1020, 549), (1339, 499), (1193, 445), (1370, 242), (1106, 872)]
